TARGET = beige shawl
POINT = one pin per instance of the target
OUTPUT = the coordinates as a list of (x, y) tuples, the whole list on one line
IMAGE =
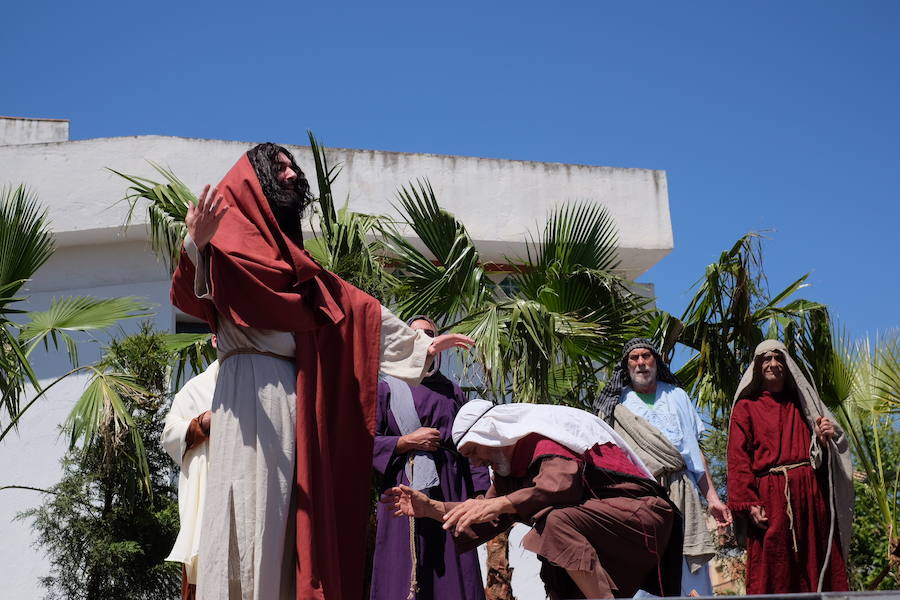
[(667, 466), (841, 470)]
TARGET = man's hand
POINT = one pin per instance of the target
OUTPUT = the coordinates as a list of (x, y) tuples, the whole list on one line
[(447, 341), (720, 512), (758, 516), (412, 503), (205, 421), (426, 439), (462, 516), (824, 430), (203, 218)]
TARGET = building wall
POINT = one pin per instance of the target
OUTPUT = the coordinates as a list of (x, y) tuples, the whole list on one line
[(16, 130), (499, 201)]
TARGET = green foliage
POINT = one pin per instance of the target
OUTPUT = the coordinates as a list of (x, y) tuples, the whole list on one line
[(344, 242), (107, 525), (25, 245), (731, 312), (550, 339), (166, 210)]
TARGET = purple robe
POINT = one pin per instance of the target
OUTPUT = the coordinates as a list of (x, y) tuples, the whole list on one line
[(442, 573)]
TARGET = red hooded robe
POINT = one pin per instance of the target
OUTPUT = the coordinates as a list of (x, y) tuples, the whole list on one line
[(260, 278)]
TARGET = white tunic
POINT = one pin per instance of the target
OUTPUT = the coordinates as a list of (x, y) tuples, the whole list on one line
[(194, 399)]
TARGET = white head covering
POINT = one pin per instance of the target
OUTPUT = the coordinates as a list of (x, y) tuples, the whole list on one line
[(496, 425)]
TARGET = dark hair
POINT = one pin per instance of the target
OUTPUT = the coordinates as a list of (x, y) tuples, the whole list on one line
[(287, 202)]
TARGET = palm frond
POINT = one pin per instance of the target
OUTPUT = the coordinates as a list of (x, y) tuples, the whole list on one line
[(454, 281), (25, 239), (166, 210), (191, 352), (346, 243), (101, 416), (76, 314)]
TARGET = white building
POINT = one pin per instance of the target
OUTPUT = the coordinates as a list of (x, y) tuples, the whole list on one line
[(500, 201)]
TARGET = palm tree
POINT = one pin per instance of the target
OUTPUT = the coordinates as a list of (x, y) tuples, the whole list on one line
[(731, 312), (26, 243), (856, 380), (344, 241), (551, 338)]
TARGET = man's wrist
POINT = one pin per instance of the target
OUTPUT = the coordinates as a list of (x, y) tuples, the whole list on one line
[(435, 509), (504, 505)]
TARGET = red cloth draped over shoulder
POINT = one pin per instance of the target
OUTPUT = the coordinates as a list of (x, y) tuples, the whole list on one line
[(259, 278), (607, 456)]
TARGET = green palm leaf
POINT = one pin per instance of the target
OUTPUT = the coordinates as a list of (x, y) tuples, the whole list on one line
[(25, 239), (76, 314), (452, 283), (101, 416), (166, 210), (192, 352)]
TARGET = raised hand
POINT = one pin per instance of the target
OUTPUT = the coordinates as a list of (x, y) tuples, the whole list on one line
[(203, 218)]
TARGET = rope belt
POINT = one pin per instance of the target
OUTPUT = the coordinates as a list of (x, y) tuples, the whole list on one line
[(413, 575), (783, 470), (237, 351)]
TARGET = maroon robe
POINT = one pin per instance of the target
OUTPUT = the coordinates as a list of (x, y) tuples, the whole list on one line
[(769, 431), (597, 513), (260, 278)]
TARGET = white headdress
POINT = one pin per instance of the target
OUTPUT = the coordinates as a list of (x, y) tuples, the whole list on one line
[(496, 425)]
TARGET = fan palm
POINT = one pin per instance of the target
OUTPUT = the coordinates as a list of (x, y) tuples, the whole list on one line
[(550, 338), (26, 243)]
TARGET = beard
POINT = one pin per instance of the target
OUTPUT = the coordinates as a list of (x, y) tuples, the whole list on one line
[(642, 378), (499, 463), (287, 207)]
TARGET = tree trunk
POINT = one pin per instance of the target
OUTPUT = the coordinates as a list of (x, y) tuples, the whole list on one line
[(499, 575)]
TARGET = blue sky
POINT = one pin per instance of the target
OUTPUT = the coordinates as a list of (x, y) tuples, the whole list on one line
[(779, 116)]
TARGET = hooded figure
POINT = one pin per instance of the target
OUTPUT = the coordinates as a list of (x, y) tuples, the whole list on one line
[(790, 488), (413, 447), (601, 526), (293, 415)]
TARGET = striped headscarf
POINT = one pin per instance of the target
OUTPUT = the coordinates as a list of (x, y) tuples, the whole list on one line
[(620, 379)]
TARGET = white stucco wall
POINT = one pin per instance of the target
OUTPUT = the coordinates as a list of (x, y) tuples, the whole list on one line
[(18, 130), (498, 200)]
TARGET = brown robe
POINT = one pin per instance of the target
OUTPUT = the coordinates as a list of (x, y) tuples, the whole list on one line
[(617, 525)]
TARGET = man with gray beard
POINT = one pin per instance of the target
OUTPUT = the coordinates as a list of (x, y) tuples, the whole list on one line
[(644, 403), (602, 527)]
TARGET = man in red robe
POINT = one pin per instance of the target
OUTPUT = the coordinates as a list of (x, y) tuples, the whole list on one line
[(294, 408), (788, 479)]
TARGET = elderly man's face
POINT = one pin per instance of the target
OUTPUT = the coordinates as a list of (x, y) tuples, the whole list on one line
[(642, 368), (481, 456), (772, 369)]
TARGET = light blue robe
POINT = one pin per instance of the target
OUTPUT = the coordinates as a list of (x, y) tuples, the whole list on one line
[(674, 415)]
